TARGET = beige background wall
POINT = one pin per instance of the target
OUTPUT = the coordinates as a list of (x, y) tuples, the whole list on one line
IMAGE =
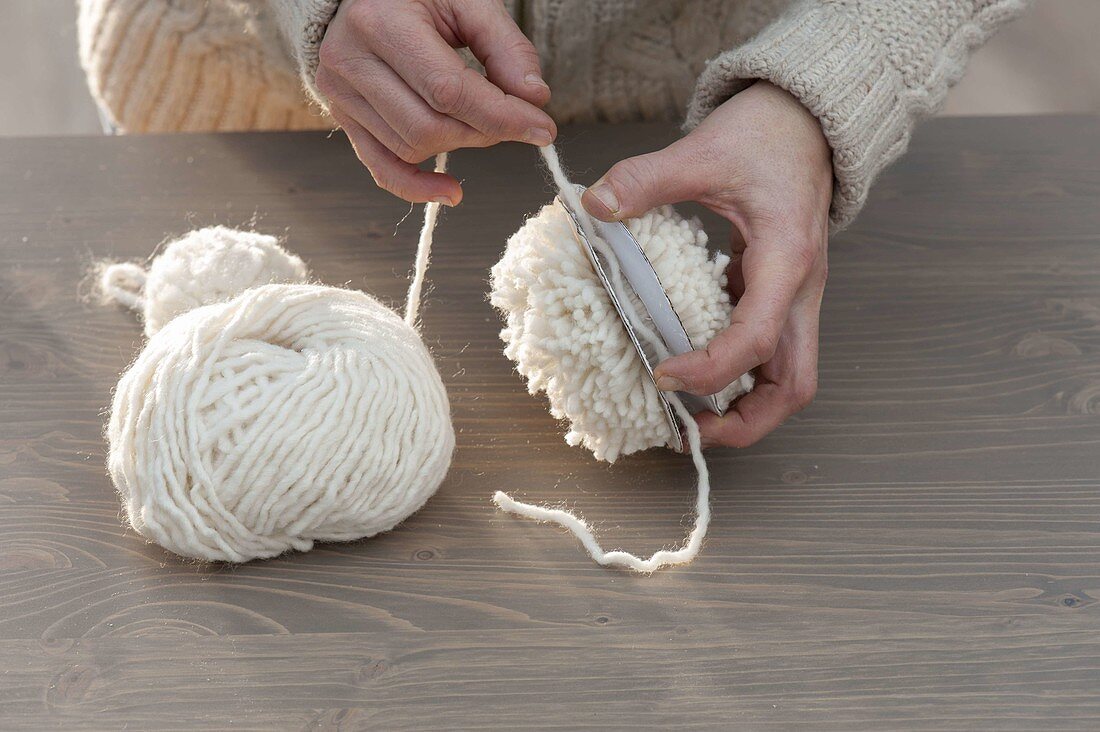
[(1047, 62)]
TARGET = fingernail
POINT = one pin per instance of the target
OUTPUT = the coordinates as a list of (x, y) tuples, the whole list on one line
[(443, 200), (606, 196), (538, 136), (669, 383), (535, 80)]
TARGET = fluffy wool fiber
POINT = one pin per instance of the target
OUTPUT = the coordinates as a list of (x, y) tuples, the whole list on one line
[(203, 267), (565, 337), (279, 415)]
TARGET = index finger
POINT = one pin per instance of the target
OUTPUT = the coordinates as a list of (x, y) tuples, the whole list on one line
[(786, 386), (772, 280), (436, 72)]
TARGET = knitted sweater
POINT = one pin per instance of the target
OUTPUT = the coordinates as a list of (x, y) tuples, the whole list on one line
[(867, 69)]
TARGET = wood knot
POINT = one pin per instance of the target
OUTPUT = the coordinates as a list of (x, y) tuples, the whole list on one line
[(1086, 400), (1075, 600), (1087, 308), (1036, 344), (17, 557), (338, 719), (794, 477), (56, 646), (18, 358), (71, 686), (370, 669), (425, 555)]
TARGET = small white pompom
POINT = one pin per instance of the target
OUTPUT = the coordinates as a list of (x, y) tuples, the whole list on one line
[(565, 337), (205, 266)]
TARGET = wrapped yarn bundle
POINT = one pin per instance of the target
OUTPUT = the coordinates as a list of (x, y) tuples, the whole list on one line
[(262, 417), (566, 339)]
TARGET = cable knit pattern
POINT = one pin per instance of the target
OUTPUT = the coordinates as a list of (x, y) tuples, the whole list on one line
[(868, 69), (636, 60), (191, 65)]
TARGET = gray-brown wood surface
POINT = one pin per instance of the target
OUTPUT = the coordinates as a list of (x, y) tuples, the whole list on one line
[(920, 549)]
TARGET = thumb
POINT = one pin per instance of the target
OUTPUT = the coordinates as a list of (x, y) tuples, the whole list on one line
[(635, 185)]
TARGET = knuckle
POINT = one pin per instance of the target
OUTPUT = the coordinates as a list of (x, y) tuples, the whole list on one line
[(715, 379), (634, 174), (520, 49), (804, 393), (715, 384), (407, 153), (446, 92), (382, 178), (366, 17), (420, 141), (326, 83), (476, 138), (763, 341), (348, 67), (328, 56), (497, 127), (392, 186), (804, 257)]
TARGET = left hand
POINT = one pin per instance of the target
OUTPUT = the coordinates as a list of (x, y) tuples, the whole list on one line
[(761, 161)]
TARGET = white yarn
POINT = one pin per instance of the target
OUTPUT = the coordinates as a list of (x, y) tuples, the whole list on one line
[(566, 339), (205, 266), (284, 415), (423, 250)]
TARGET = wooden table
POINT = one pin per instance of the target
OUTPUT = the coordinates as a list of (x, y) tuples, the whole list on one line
[(920, 549)]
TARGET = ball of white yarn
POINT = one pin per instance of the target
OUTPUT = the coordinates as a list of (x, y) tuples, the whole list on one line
[(565, 337), (203, 267), (286, 415)]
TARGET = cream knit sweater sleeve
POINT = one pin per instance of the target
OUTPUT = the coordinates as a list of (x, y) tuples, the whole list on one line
[(303, 24), (867, 69)]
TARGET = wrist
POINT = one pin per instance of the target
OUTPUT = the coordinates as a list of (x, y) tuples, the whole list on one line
[(800, 124)]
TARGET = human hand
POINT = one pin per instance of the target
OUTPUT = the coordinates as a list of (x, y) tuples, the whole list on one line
[(761, 161), (402, 94)]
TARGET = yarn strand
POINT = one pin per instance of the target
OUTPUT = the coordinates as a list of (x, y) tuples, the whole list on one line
[(570, 521), (123, 282), (424, 250)]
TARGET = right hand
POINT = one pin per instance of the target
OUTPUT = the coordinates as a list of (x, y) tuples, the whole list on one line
[(761, 161), (402, 94)]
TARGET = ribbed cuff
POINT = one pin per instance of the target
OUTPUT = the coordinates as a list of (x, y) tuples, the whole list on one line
[(303, 23), (826, 59)]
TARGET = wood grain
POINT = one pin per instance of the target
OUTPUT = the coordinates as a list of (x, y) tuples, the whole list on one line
[(920, 549)]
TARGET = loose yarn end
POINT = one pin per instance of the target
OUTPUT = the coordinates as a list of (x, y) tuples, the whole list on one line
[(122, 282), (570, 521)]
